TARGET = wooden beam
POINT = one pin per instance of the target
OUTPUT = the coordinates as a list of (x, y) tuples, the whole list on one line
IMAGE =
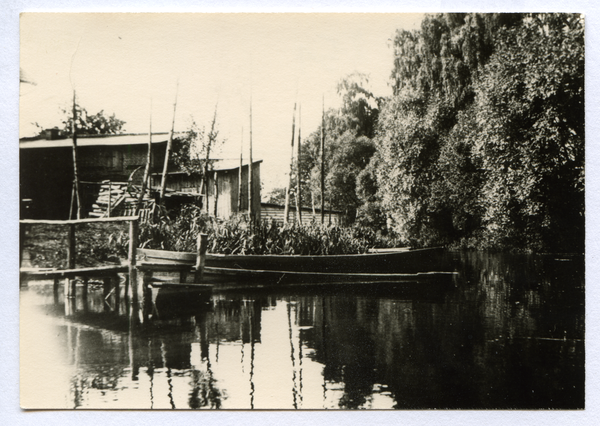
[(290, 181), (75, 174), (138, 206), (163, 182), (250, 177), (131, 260), (323, 164), (298, 180), (239, 203), (77, 221), (95, 271)]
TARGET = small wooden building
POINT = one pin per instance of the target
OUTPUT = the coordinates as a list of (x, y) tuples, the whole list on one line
[(46, 168), (223, 187), (276, 212)]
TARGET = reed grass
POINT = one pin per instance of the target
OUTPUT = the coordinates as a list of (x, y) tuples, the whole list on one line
[(237, 236), (108, 243)]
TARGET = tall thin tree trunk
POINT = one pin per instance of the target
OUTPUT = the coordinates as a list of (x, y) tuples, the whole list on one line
[(75, 172), (147, 169), (286, 209), (163, 182)]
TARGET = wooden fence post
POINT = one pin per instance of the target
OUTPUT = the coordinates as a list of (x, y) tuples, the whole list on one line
[(71, 252), (133, 284), (108, 212), (115, 280), (202, 245)]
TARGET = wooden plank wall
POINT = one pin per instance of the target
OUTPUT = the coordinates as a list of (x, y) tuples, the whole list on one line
[(228, 184), (272, 212)]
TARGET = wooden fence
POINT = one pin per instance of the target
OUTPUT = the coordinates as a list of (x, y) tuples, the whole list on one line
[(154, 261)]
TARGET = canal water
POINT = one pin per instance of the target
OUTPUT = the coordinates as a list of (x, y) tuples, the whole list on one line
[(508, 333)]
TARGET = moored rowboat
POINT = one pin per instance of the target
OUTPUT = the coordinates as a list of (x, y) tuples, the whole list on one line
[(388, 265)]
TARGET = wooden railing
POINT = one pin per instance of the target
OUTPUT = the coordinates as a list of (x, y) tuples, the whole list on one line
[(154, 260), (71, 271)]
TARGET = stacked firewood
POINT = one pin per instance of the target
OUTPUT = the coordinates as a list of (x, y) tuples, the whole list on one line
[(119, 198)]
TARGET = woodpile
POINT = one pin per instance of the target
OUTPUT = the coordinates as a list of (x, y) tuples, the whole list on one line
[(118, 199)]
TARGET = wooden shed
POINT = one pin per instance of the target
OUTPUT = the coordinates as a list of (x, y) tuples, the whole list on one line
[(222, 189), (46, 167)]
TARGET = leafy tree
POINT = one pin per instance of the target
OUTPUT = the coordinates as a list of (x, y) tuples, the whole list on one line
[(90, 124), (530, 116), (276, 196), (482, 140), (192, 152), (360, 108), (348, 148)]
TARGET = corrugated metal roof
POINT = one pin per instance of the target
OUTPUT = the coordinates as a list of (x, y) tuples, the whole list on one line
[(112, 140)]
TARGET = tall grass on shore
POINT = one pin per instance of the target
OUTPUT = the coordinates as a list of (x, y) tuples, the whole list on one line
[(108, 243), (237, 236)]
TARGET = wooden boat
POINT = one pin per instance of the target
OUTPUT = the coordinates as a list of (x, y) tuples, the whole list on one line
[(388, 265)]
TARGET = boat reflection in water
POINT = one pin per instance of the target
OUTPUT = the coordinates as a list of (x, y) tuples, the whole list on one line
[(507, 334)]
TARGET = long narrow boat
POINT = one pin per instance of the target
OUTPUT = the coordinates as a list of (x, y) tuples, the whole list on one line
[(398, 265), (387, 265)]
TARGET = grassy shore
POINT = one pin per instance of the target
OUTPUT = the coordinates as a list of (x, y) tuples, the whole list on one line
[(107, 243)]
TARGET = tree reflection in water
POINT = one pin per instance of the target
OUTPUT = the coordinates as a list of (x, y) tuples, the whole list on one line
[(508, 334)]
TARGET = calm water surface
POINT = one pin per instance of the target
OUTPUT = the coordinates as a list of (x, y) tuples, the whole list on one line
[(508, 333)]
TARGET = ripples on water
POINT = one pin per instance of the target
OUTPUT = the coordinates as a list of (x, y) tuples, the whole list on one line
[(508, 333)]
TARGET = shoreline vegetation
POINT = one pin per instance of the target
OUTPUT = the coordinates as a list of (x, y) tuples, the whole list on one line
[(107, 243)]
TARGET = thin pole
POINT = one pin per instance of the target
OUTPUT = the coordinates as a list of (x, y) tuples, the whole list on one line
[(110, 198), (71, 256), (163, 182), (298, 191), (216, 191), (72, 200), (207, 162), (250, 177), (147, 169), (287, 189), (239, 205), (323, 164), (75, 174), (131, 261)]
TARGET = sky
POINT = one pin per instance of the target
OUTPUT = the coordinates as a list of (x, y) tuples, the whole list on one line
[(128, 64)]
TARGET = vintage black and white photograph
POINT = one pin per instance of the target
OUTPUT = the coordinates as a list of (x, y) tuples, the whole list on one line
[(302, 211)]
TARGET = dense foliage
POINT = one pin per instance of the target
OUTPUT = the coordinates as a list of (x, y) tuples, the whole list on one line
[(482, 143), (90, 124), (237, 236), (348, 149)]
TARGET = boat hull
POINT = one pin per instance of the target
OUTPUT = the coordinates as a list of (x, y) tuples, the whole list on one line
[(404, 262), (390, 266), (293, 277)]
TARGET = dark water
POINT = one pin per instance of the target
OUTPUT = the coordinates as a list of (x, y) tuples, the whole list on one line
[(508, 333)]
